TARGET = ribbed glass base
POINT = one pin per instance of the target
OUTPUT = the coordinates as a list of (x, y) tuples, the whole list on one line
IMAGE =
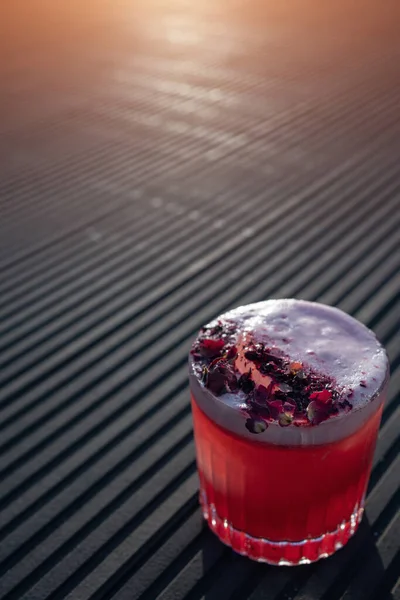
[(282, 553)]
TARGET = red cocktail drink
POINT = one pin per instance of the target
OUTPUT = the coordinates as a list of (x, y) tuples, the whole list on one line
[(287, 398)]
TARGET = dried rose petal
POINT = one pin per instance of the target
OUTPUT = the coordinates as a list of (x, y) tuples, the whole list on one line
[(259, 411), (215, 361), (269, 368), (263, 394), (210, 348), (231, 384), (323, 397), (289, 407), (230, 376), (215, 382), (232, 353), (246, 383), (271, 357), (221, 378), (275, 408), (256, 425), (251, 355), (278, 395), (317, 413)]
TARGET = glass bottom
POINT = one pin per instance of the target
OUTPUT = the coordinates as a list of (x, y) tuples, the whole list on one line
[(289, 554)]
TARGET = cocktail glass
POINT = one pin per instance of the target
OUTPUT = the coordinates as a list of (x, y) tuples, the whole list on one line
[(291, 495)]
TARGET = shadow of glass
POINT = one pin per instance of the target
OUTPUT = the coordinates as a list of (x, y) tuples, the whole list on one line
[(355, 570)]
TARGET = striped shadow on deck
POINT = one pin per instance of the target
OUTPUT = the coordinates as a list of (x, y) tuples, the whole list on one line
[(164, 161)]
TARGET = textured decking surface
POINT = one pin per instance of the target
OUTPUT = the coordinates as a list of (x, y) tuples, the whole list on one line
[(161, 162)]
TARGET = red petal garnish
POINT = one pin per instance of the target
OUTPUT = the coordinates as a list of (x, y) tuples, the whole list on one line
[(221, 378), (263, 394), (323, 397), (251, 355), (210, 348), (215, 382), (230, 377), (296, 393), (317, 413), (289, 407), (275, 408), (215, 361), (232, 353), (246, 383)]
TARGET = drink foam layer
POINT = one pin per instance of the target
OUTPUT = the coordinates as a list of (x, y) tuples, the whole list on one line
[(288, 364)]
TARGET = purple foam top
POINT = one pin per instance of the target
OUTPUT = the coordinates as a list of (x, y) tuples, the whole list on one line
[(287, 363)]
